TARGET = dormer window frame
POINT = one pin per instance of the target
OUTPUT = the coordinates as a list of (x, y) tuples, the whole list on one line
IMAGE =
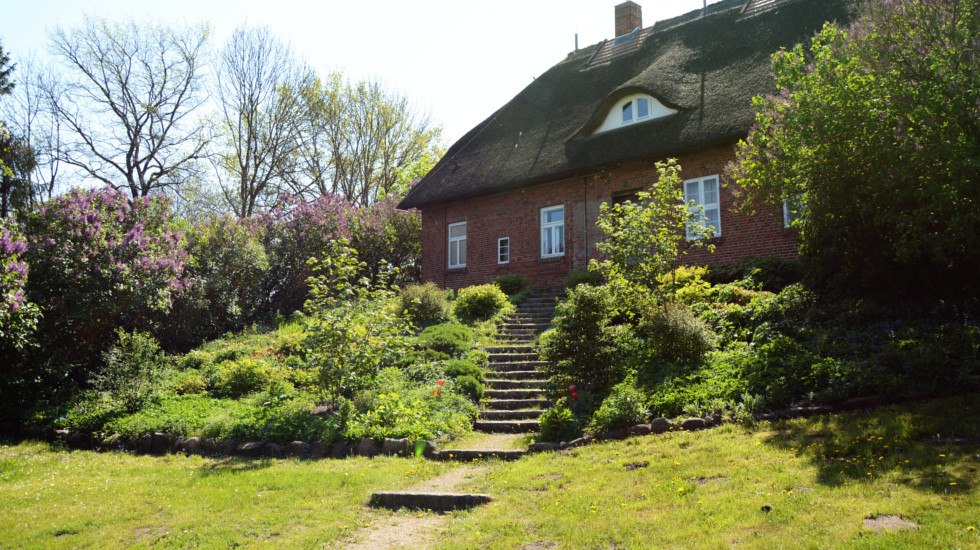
[(635, 108)]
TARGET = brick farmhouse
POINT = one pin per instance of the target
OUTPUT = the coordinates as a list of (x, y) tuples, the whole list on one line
[(521, 191)]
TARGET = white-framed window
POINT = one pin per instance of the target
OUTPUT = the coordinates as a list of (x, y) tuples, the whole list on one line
[(457, 245), (636, 110), (553, 231), (633, 109), (503, 250), (791, 212), (704, 193)]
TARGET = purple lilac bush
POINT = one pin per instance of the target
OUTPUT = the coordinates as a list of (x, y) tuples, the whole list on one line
[(17, 316), (100, 261)]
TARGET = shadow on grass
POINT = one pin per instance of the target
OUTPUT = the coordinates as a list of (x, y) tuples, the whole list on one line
[(234, 465), (932, 447)]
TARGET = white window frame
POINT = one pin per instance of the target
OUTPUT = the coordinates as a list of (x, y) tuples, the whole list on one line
[(503, 250), (460, 244), (554, 229), (705, 207), (634, 106)]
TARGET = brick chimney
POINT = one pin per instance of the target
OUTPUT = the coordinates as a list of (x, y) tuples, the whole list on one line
[(628, 17)]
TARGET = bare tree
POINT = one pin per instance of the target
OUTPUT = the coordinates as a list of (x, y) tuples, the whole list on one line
[(129, 104), (360, 138), (259, 87), (30, 117)]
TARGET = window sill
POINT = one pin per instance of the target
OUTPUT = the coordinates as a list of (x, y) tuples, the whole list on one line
[(551, 259), (455, 270)]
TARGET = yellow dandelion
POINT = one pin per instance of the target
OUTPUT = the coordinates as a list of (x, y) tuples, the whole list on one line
[(952, 483), (971, 529)]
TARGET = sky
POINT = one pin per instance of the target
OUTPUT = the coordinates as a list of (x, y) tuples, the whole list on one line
[(458, 61)]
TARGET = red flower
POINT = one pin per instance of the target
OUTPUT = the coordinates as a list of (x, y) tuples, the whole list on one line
[(572, 388), (438, 392), (441, 382), (574, 395), (433, 392)]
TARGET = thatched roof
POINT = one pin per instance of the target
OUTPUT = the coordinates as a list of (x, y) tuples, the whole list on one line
[(708, 66)]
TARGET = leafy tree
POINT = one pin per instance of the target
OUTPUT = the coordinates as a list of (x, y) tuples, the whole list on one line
[(643, 237), (354, 328), (875, 134), (362, 141), (18, 317), (129, 101)]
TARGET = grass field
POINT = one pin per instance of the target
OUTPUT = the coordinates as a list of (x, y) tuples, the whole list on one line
[(820, 478)]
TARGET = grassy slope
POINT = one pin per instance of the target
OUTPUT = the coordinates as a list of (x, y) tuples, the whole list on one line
[(821, 476)]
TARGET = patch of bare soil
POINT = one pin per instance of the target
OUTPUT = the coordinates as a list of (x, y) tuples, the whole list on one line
[(539, 545), (885, 523), (410, 529), (702, 481)]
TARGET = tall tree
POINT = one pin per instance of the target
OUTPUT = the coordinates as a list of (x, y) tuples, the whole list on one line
[(875, 130), (6, 69), (16, 164), (130, 99), (361, 138), (29, 116), (259, 83)]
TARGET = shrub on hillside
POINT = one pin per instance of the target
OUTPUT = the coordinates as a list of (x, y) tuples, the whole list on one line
[(133, 368), (512, 283), (241, 377), (470, 387), (625, 406), (99, 261), (228, 265), (424, 305), (583, 277), (478, 303), (559, 424), (462, 367), (450, 338), (583, 345), (672, 333)]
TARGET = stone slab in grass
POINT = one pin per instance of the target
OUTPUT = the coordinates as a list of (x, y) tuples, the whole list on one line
[(437, 502), (885, 523)]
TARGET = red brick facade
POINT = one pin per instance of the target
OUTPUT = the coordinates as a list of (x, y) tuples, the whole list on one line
[(516, 215)]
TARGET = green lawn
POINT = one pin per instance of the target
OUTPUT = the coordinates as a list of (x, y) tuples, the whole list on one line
[(822, 477), (82, 499)]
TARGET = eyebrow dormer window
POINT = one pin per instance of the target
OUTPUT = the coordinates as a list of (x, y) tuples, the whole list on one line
[(636, 110), (633, 109)]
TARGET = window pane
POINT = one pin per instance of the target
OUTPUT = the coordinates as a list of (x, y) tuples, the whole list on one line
[(642, 108), (711, 191), (628, 112), (691, 192), (559, 240), (714, 220), (453, 254), (457, 230), (552, 216), (462, 252)]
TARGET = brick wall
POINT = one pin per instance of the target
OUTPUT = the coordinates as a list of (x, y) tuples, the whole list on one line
[(517, 215)]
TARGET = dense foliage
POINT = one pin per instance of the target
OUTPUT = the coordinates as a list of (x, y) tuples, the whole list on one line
[(480, 303), (873, 137), (18, 317)]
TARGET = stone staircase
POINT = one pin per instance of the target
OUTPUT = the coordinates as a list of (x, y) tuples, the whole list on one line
[(515, 395)]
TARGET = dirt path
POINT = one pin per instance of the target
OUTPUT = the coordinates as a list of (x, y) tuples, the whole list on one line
[(416, 530)]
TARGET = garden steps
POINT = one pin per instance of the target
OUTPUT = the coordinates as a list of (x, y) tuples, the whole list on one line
[(514, 393), (518, 414), (507, 426), (512, 384), (437, 502)]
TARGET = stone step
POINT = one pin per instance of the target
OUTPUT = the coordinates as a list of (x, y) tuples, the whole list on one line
[(469, 455), (517, 365), (521, 338), (510, 348), (507, 426), (531, 316), (519, 414), (537, 327), (531, 375), (437, 502), (519, 329), (498, 358), (514, 384), (514, 404), (510, 394)]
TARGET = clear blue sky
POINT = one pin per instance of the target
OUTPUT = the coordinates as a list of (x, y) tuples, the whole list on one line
[(457, 60)]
